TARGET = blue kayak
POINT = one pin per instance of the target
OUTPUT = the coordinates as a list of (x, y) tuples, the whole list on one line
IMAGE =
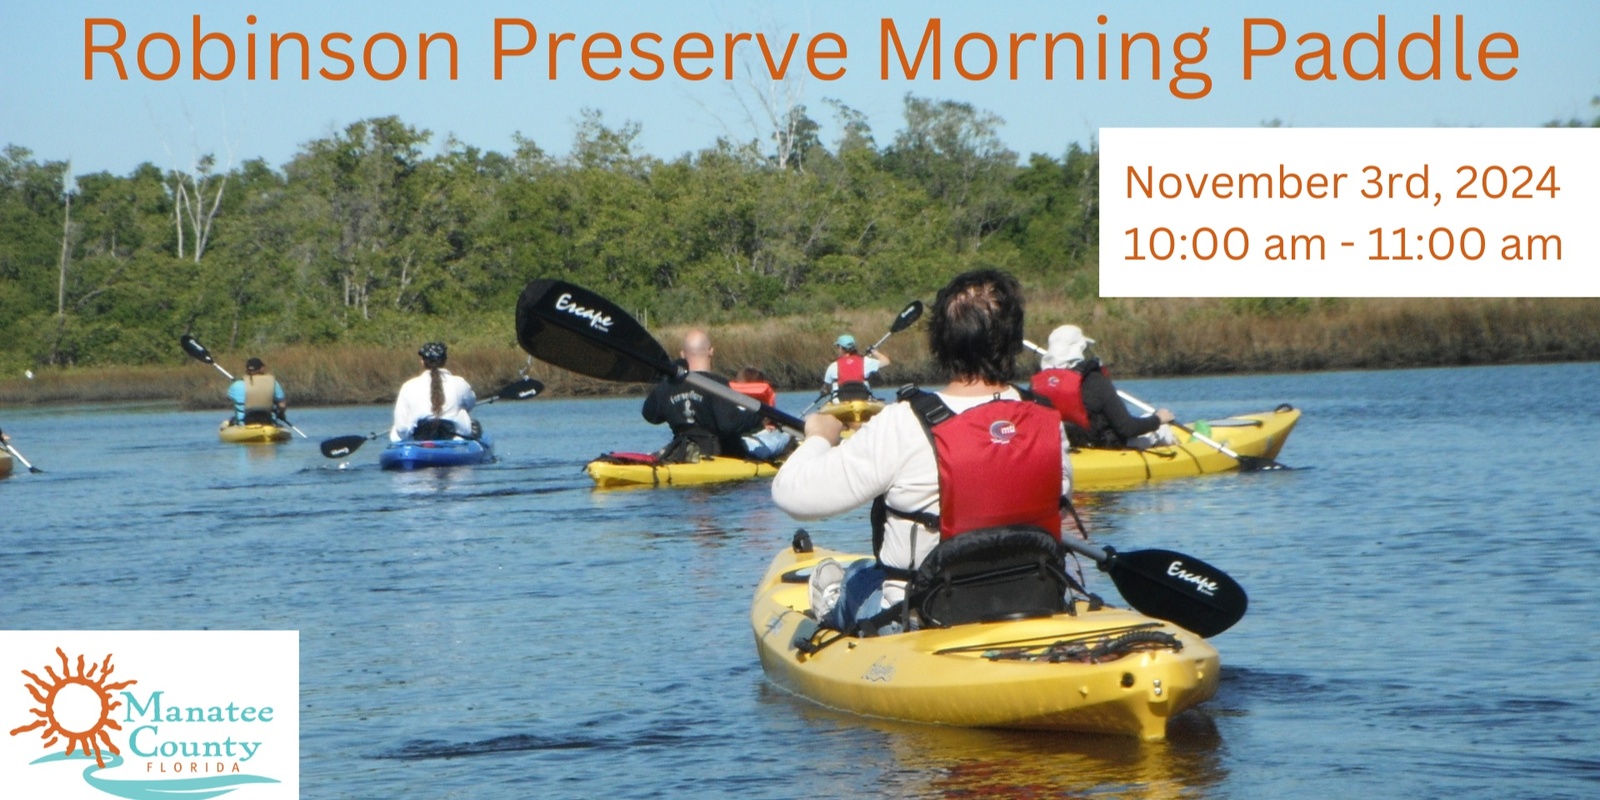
[(436, 453)]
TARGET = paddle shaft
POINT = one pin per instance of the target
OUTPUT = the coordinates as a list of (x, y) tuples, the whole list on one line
[(18, 456), (1085, 548), (705, 384), (1149, 409)]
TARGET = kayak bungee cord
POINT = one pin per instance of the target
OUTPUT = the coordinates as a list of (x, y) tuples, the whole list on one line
[(1079, 652)]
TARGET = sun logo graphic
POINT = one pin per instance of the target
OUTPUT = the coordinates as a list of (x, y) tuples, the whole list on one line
[(76, 708)]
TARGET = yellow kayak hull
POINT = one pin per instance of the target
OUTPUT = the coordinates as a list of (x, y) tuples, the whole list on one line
[(906, 677), (251, 434), (718, 469), (1258, 435)]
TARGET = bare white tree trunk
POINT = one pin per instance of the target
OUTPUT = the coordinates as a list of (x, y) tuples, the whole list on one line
[(66, 250), (180, 195)]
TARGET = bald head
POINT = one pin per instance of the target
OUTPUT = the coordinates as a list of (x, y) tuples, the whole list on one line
[(697, 350)]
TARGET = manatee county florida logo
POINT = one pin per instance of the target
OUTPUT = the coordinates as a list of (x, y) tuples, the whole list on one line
[(78, 708)]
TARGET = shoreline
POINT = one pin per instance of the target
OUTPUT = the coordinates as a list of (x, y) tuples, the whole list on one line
[(1140, 339)]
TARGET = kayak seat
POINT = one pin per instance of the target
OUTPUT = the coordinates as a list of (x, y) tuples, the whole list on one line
[(257, 418), (854, 390), (432, 429), (1011, 572)]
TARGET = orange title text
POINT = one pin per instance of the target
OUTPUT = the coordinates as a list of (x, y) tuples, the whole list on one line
[(1440, 49)]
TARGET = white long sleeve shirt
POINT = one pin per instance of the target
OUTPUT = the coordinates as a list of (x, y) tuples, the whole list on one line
[(415, 402), (889, 454)]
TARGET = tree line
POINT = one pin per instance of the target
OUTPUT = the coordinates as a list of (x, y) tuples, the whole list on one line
[(361, 237)]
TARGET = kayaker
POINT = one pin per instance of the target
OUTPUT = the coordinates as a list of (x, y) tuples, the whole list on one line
[(851, 368), (256, 396), (434, 405), (753, 382), (1003, 457), (769, 442), (1087, 400), (702, 426)]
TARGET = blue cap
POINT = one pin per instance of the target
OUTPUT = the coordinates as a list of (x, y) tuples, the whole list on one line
[(845, 340)]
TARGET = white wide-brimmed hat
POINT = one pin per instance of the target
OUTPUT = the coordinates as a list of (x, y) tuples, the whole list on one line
[(1067, 345)]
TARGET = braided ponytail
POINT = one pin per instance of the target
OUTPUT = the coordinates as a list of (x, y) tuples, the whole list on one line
[(436, 390)]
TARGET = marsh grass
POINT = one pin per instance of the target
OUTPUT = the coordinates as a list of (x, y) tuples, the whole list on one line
[(1139, 337)]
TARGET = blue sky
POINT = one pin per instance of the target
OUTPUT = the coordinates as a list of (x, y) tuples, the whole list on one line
[(48, 107)]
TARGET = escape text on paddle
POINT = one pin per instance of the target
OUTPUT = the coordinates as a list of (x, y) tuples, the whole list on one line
[(1202, 584), (598, 319)]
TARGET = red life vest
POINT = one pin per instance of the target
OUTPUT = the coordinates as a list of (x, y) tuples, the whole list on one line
[(851, 368), (760, 390), (999, 464), (1064, 388)]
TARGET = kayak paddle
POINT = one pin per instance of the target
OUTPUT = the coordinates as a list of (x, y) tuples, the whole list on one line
[(908, 315), (341, 446), (518, 390), (18, 456), (201, 354), (1172, 586), (578, 330)]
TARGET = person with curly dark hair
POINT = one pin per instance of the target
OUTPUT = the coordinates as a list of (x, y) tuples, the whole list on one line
[(978, 454)]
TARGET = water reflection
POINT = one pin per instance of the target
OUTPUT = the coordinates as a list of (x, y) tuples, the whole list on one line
[(909, 760)]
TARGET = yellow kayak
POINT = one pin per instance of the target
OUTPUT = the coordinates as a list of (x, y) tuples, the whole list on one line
[(1100, 671), (618, 470), (251, 434), (1257, 435)]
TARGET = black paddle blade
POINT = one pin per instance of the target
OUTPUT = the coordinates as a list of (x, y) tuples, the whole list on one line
[(910, 315), (195, 349), (341, 446), (1257, 464), (1178, 588), (521, 390), (578, 330)]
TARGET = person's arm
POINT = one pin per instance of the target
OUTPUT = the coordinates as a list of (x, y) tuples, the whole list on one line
[(278, 398), (469, 400), (654, 409), (819, 480), (1098, 390), (881, 357)]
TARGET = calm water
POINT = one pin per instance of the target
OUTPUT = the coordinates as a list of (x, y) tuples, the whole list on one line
[(1422, 601)]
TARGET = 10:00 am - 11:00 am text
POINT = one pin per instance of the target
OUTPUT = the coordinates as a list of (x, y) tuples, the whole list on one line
[(1439, 244)]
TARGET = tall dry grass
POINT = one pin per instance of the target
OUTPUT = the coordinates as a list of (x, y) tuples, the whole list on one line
[(1139, 337)]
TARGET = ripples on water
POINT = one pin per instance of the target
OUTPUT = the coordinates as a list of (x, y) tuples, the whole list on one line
[(1420, 620)]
